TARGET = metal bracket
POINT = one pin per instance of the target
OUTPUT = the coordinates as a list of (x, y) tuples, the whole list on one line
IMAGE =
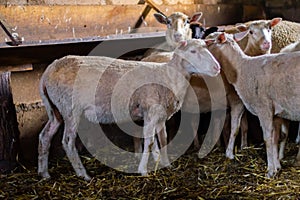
[(13, 36), (149, 5)]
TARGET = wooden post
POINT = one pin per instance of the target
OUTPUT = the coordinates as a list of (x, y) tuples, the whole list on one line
[(9, 132)]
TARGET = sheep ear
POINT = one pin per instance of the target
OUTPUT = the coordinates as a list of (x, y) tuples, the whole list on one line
[(161, 18), (222, 38), (196, 17), (209, 41), (239, 36), (242, 27), (275, 21)]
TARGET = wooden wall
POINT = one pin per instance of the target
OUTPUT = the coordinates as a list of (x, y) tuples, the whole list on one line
[(44, 22)]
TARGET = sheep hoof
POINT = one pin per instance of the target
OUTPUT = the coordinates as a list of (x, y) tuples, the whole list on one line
[(271, 173), (165, 163), (229, 155), (45, 175), (143, 172), (87, 178)]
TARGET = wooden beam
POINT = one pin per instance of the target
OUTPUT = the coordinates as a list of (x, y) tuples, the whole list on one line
[(9, 132), (16, 68), (58, 22)]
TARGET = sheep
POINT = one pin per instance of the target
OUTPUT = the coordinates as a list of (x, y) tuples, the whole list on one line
[(176, 23), (258, 43), (267, 85), (287, 49), (259, 40), (151, 103), (178, 28), (285, 33), (200, 32)]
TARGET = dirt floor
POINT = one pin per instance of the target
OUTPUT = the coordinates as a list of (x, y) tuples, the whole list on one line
[(213, 177)]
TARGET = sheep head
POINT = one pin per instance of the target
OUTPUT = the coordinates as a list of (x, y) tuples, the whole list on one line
[(178, 26), (195, 58), (259, 36)]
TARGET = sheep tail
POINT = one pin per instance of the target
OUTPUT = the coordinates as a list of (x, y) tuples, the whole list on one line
[(51, 109)]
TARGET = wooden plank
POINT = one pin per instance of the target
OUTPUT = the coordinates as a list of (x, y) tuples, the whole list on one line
[(36, 23), (16, 68), (49, 51), (9, 132)]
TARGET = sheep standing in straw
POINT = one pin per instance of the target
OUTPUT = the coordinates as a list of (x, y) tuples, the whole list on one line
[(259, 42), (67, 91), (268, 85)]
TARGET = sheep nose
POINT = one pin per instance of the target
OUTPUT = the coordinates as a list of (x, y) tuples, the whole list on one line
[(266, 45)]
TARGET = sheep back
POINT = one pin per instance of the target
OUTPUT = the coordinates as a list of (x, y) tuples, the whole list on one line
[(88, 83), (284, 33)]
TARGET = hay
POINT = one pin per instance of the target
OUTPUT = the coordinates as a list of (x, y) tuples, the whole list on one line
[(213, 177)]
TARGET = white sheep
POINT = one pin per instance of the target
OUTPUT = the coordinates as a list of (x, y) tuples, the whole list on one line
[(292, 48), (285, 33), (152, 103), (178, 27), (258, 43), (268, 85)]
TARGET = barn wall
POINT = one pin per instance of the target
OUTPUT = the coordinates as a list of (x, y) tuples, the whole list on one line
[(69, 21)]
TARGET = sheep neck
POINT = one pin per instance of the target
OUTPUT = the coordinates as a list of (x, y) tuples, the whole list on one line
[(231, 58), (176, 79)]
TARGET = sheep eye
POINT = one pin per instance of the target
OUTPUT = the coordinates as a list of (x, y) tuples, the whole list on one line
[(251, 32), (193, 51), (169, 22)]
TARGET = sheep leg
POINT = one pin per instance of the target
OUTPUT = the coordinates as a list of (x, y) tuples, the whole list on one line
[(137, 145), (276, 161), (284, 127), (45, 138), (68, 141), (162, 136), (149, 141), (269, 134), (297, 160), (236, 115), (155, 151), (217, 129), (194, 125), (244, 130), (298, 135), (226, 129)]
